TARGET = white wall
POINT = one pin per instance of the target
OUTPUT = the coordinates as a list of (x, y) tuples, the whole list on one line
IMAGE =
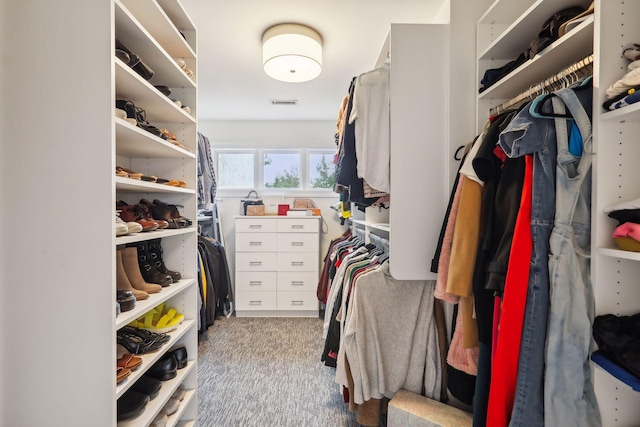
[(272, 134)]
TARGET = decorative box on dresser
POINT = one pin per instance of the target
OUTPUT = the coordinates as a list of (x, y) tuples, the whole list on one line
[(277, 266)]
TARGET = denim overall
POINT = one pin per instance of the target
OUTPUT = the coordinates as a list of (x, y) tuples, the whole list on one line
[(528, 135), (569, 398)]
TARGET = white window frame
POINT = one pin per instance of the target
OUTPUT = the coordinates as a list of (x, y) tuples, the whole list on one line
[(258, 172)]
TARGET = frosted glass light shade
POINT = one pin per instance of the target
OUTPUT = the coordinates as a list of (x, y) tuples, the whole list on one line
[(292, 53)]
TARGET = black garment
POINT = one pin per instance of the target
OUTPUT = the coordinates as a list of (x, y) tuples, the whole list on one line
[(618, 337), (487, 166), (494, 75), (208, 309), (435, 261), (626, 215), (215, 260), (506, 206), (346, 170)]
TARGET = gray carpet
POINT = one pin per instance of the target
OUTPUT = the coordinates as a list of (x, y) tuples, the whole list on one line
[(267, 372)]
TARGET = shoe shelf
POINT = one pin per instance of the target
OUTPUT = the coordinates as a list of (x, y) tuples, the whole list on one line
[(139, 186), (137, 39), (123, 319), (149, 359), (166, 391), (156, 21), (574, 46), (136, 142), (158, 108), (148, 235), (174, 419), (521, 30)]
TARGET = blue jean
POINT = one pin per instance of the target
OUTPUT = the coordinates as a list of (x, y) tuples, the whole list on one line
[(569, 397), (527, 135)]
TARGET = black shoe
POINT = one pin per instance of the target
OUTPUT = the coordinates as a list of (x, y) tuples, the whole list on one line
[(131, 405), (147, 385), (180, 354), (164, 369)]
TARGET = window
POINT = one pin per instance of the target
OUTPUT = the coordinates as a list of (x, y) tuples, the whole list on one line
[(321, 170), (235, 170), (281, 170), (274, 169)]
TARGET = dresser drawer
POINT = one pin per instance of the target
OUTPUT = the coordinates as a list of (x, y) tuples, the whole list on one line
[(255, 261), (297, 242), (297, 281), (298, 225), (256, 281), (256, 225), (256, 242), (297, 261), (297, 300), (256, 301)]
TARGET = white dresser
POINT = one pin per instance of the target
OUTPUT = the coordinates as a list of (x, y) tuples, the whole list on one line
[(277, 266)]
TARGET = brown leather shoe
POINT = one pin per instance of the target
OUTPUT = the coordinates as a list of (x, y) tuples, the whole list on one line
[(144, 210), (138, 214)]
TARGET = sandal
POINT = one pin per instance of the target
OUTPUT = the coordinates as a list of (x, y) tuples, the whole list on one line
[(158, 320), (133, 342), (148, 335), (129, 361), (176, 183), (133, 175), (121, 374)]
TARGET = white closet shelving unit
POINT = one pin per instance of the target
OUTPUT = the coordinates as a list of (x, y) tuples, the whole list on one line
[(59, 81), (159, 32), (615, 176), (418, 92), (503, 32)]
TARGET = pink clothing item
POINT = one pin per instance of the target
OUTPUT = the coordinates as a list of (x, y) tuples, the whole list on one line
[(463, 359), (628, 229), (445, 253)]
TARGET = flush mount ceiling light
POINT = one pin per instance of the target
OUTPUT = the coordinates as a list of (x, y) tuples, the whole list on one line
[(292, 53)]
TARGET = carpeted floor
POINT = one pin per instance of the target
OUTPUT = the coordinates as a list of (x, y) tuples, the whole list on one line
[(267, 372)]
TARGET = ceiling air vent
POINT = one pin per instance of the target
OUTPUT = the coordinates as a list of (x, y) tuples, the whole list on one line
[(283, 101)]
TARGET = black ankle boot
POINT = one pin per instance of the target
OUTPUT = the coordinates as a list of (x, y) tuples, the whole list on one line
[(155, 253), (149, 272)]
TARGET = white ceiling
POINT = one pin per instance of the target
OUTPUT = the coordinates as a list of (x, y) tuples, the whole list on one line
[(231, 82)]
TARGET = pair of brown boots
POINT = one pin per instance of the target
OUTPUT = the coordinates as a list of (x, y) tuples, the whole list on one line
[(129, 277)]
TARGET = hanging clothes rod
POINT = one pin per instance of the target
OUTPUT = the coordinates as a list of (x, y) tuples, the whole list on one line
[(564, 78)]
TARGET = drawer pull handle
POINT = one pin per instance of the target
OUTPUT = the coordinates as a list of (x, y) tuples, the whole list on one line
[(297, 283), (255, 226), (255, 243), (254, 263), (297, 227), (299, 302), (255, 282), (297, 263), (259, 302), (297, 243)]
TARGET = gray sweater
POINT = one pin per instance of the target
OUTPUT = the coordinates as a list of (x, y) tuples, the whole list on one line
[(390, 337)]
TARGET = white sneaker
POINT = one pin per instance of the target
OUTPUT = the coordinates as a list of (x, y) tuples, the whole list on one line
[(134, 227), (121, 227)]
